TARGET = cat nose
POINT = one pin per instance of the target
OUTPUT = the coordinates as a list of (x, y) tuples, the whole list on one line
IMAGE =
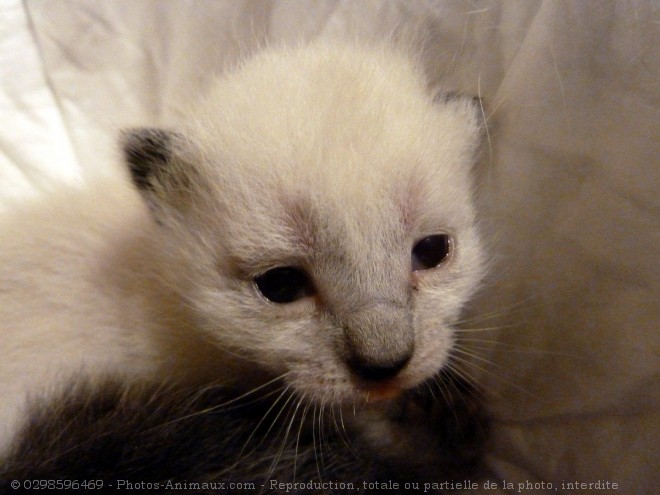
[(377, 371), (379, 338)]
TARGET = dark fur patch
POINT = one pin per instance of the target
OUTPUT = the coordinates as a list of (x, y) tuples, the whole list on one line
[(146, 150), (155, 433), (448, 96)]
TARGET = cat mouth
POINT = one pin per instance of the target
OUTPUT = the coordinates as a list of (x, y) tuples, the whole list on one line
[(383, 389), (383, 393)]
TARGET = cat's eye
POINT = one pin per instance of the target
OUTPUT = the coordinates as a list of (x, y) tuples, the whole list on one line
[(284, 284), (430, 251)]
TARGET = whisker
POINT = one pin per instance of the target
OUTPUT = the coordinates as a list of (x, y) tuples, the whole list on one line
[(316, 457), (460, 330), (462, 374), (278, 456), (488, 372), (321, 434), (221, 405), (511, 347), (442, 387), (341, 431), (458, 349), (254, 431), (471, 388), (505, 310), (485, 119), (300, 427)]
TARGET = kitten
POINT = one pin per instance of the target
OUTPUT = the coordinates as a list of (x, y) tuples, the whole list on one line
[(311, 221)]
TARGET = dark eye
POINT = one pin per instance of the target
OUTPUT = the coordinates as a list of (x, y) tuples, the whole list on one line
[(284, 284), (430, 251)]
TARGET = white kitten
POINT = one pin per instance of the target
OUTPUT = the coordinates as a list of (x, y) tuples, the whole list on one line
[(311, 219)]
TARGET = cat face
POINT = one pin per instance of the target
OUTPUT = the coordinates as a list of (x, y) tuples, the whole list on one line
[(317, 216)]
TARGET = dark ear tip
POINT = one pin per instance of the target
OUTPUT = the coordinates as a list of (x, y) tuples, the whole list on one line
[(146, 150), (475, 105), (449, 96)]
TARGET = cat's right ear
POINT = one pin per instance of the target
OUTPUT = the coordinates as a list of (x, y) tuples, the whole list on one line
[(472, 104), (155, 159), (148, 152)]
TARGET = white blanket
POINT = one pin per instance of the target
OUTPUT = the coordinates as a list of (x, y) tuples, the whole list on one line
[(571, 182)]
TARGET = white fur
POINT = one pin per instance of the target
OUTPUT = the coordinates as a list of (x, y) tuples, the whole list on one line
[(333, 158)]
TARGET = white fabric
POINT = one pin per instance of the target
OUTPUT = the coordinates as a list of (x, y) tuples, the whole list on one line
[(571, 180)]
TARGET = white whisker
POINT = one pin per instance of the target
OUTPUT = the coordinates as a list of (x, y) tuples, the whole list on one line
[(254, 431), (278, 456), (494, 375), (300, 427), (223, 404), (494, 345)]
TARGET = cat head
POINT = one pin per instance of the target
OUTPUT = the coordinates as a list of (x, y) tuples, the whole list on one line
[(316, 213)]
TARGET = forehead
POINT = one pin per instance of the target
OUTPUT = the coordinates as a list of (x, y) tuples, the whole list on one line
[(332, 142), (326, 112), (341, 192)]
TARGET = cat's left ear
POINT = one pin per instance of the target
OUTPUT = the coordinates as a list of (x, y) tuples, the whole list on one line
[(157, 162)]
